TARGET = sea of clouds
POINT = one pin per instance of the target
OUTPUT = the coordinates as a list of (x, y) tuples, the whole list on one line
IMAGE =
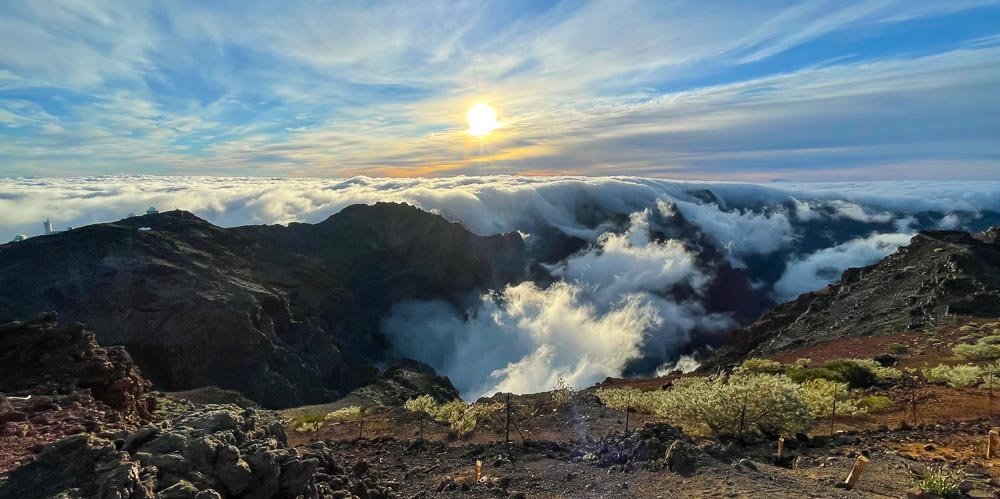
[(624, 297)]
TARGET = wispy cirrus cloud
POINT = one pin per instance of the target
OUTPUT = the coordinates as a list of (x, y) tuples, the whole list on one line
[(810, 90)]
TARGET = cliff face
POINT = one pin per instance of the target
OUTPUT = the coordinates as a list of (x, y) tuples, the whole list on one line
[(285, 315), (940, 275)]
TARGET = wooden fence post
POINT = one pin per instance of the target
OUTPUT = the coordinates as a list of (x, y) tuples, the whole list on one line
[(859, 467), (833, 412), (989, 393), (743, 415), (628, 405), (506, 438), (993, 443)]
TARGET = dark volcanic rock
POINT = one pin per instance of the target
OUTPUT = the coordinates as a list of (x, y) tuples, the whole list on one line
[(39, 357), (940, 274), (653, 442), (285, 315), (213, 451), (402, 381)]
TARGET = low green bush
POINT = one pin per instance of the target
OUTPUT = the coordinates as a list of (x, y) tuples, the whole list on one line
[(854, 374), (760, 366), (863, 373), (895, 348), (875, 403), (978, 352), (349, 413), (819, 394), (959, 376), (307, 422), (459, 416), (804, 374), (751, 404), (562, 392), (943, 481)]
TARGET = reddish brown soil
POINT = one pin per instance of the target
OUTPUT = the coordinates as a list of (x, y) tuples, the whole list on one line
[(951, 427), (32, 423)]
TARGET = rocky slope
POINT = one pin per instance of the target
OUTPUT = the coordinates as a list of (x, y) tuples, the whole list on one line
[(285, 315), (939, 276), (56, 381), (41, 358)]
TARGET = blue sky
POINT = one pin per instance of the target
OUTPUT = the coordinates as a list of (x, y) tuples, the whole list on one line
[(820, 90)]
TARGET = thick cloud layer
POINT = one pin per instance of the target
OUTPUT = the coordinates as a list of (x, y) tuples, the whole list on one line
[(484, 204), (636, 294)]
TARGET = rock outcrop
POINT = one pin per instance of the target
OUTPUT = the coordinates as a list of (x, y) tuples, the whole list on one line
[(214, 451), (39, 357), (403, 380), (285, 315), (56, 381), (940, 275)]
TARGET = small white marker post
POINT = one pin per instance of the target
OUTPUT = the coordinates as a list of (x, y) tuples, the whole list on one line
[(479, 470), (781, 447), (859, 467)]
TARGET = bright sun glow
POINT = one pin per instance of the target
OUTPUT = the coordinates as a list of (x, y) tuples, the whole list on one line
[(482, 120)]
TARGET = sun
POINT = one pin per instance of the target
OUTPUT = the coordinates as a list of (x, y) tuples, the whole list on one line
[(482, 119)]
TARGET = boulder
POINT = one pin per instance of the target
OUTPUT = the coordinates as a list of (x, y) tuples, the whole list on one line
[(682, 457)]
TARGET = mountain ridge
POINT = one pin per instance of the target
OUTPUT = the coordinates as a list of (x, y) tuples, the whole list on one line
[(938, 276), (245, 308)]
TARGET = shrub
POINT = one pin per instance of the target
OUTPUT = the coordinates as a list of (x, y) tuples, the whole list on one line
[(803, 374), (562, 392), (942, 481), (887, 374), (875, 403), (803, 362), (459, 416), (977, 352), (760, 366), (349, 413), (895, 348), (818, 395), (646, 402), (766, 404), (307, 422), (854, 374), (990, 340), (991, 375), (863, 373), (755, 404), (423, 403), (959, 376)]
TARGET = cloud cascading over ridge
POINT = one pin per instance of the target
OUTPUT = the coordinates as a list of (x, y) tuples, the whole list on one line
[(635, 296)]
